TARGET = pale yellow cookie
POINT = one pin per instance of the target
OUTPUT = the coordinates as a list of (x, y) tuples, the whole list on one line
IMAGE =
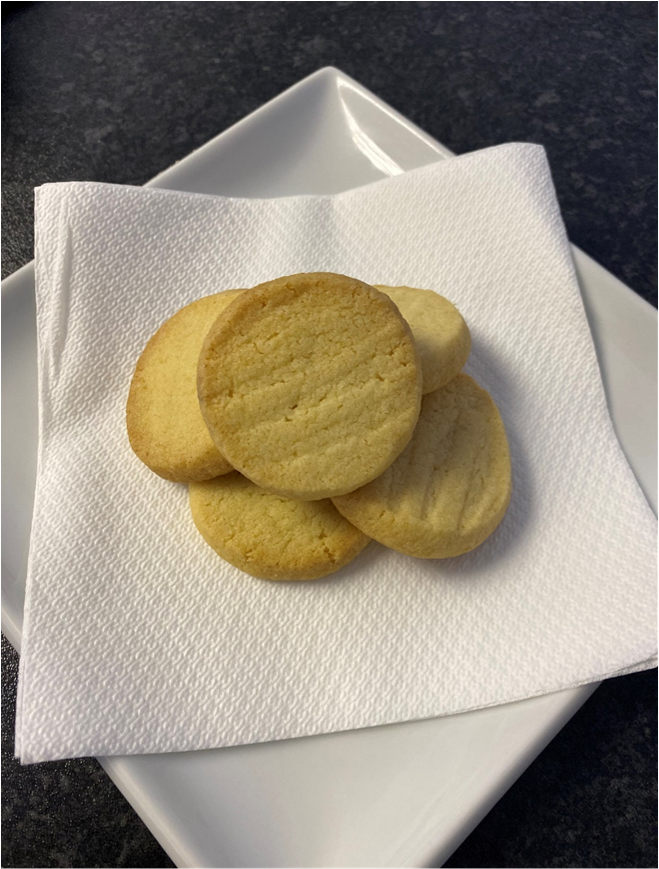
[(449, 489), (310, 384), (165, 426), (270, 536), (441, 334)]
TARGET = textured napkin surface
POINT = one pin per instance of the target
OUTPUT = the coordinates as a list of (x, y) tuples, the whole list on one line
[(138, 638)]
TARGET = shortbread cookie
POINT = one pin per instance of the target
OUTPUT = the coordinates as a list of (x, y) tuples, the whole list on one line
[(310, 384), (165, 426), (441, 334), (450, 487), (270, 536)]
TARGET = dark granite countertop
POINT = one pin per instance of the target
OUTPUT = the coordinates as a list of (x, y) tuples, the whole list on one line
[(117, 92)]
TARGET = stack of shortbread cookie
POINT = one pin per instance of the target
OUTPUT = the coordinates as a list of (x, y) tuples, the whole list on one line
[(315, 412)]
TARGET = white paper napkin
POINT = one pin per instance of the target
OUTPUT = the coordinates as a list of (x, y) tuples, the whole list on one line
[(138, 638)]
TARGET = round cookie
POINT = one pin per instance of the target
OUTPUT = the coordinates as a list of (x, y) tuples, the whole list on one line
[(165, 426), (441, 334), (310, 384), (449, 489), (270, 536)]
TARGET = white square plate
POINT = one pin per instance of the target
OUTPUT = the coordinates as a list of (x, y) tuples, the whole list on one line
[(401, 795)]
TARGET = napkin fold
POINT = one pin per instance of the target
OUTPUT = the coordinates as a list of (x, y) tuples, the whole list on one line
[(138, 638)]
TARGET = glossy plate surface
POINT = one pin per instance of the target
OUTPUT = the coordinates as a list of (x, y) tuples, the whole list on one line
[(401, 795)]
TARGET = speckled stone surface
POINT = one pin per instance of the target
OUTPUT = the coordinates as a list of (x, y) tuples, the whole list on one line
[(117, 92)]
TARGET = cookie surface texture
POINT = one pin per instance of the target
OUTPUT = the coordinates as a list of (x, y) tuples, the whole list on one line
[(310, 384), (442, 337), (449, 489), (270, 536), (165, 426)]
